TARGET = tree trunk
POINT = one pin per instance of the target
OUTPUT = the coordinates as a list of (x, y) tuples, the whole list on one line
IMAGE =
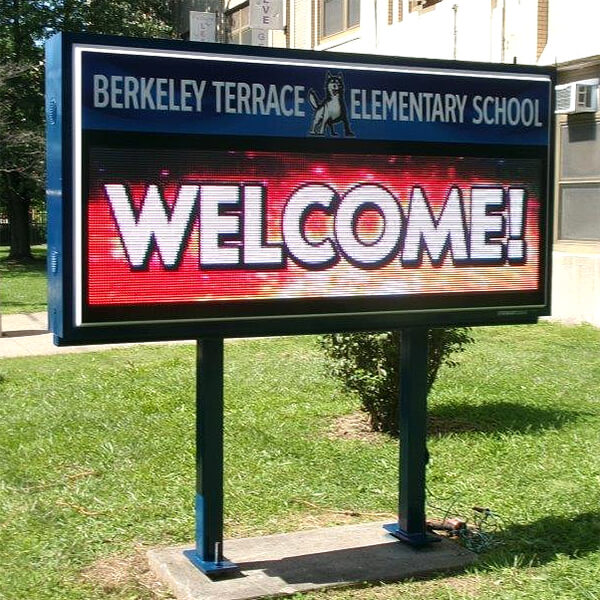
[(18, 220)]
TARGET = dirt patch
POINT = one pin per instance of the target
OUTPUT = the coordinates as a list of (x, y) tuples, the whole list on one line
[(126, 572), (354, 427), (325, 519), (444, 425)]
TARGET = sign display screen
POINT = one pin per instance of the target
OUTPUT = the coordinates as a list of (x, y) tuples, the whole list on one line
[(185, 227), (233, 206)]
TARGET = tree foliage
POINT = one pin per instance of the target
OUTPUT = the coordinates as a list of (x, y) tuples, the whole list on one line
[(24, 26), (368, 363), (21, 144)]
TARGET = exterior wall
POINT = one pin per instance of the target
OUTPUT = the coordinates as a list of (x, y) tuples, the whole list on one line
[(451, 29), (572, 31), (576, 263), (471, 30), (476, 30), (576, 286), (301, 31)]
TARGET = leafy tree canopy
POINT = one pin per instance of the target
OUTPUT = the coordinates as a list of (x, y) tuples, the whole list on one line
[(24, 26)]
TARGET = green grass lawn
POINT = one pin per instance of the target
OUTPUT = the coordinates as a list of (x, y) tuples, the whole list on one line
[(97, 462), (23, 286)]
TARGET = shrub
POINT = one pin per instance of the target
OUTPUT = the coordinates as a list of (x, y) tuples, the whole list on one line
[(368, 363)]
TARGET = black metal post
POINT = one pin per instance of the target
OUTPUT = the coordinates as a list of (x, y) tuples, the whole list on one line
[(411, 527), (208, 555)]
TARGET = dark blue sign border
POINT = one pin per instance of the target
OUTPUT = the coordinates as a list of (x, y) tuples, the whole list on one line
[(62, 238)]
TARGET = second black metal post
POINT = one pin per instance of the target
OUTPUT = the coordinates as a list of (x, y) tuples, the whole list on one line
[(411, 526)]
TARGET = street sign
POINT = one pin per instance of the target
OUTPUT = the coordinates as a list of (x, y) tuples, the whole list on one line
[(260, 37), (203, 26), (266, 14)]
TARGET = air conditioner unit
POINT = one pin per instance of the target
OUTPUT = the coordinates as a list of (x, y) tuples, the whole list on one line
[(577, 97)]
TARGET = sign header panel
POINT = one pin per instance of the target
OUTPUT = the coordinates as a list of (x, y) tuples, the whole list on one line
[(238, 191), (209, 93)]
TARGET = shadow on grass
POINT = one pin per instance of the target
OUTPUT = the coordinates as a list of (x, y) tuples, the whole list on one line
[(502, 417), (13, 268), (539, 542), (31, 306)]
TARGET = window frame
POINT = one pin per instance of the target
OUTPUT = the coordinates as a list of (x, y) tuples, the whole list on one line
[(240, 31), (346, 26), (422, 5), (564, 182)]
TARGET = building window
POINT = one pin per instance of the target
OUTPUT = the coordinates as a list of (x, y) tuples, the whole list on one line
[(239, 25), (579, 180), (422, 4), (338, 16), (579, 214)]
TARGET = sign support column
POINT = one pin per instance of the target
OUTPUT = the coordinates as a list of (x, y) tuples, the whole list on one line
[(411, 527), (208, 555)]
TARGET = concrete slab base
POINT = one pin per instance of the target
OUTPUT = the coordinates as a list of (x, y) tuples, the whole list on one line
[(285, 564)]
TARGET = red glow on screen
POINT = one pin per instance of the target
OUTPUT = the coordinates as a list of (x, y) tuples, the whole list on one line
[(173, 226)]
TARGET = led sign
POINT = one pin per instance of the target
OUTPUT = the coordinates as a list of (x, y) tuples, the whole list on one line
[(214, 190)]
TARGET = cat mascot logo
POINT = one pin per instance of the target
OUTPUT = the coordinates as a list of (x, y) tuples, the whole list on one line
[(332, 109)]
